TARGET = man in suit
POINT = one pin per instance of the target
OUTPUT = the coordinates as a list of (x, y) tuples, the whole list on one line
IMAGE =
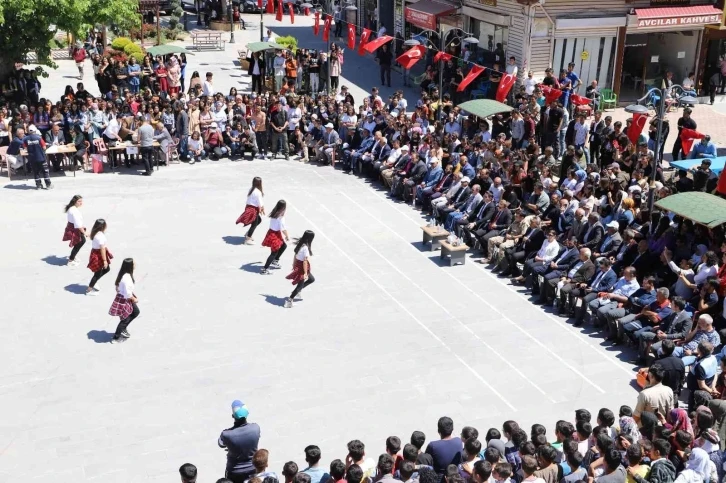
[(54, 137), (577, 224), (457, 201), (471, 203), (592, 232), (431, 179), (577, 274), (415, 177), (602, 281), (529, 244), (501, 220), (387, 171), (674, 327), (627, 251), (643, 260), (611, 243), (380, 152), (443, 184), (542, 258), (554, 269), (351, 157), (565, 218), (481, 216)]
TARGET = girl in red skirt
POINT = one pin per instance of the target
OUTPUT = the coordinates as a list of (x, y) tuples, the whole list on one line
[(100, 260), (253, 208), (301, 275), (124, 305), (273, 239), (75, 232)]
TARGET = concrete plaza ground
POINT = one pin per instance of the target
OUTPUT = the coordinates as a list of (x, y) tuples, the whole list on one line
[(385, 342)]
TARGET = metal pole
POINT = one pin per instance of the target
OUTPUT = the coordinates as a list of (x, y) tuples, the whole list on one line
[(441, 76), (656, 161), (231, 23), (158, 26), (262, 22)]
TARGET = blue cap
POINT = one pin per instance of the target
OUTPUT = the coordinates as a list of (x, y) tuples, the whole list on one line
[(239, 410)]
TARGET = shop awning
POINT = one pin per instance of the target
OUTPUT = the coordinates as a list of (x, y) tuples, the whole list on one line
[(425, 12), (677, 16)]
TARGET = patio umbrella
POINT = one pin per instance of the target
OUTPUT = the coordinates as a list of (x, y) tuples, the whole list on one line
[(259, 46), (167, 49), (484, 107)]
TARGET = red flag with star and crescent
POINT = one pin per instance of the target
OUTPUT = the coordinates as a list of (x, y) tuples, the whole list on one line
[(551, 94), (505, 85), (688, 136), (364, 36), (443, 56), (636, 127), (270, 6), (278, 16), (326, 28), (411, 56), (374, 45), (580, 100), (473, 74), (316, 25), (351, 36)]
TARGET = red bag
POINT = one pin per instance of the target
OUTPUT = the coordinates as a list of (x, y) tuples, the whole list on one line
[(97, 162)]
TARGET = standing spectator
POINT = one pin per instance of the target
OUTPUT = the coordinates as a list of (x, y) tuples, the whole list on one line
[(447, 450), (316, 473), (35, 146), (656, 396), (684, 122), (146, 145), (385, 58), (241, 442)]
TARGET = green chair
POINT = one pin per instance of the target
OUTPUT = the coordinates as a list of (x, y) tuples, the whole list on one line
[(608, 98)]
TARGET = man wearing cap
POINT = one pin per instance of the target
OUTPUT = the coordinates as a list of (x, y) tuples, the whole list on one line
[(611, 243), (326, 146), (241, 442), (35, 146)]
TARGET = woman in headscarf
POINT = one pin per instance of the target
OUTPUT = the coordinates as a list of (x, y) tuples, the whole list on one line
[(628, 427), (697, 468), (648, 423), (678, 420), (707, 439)]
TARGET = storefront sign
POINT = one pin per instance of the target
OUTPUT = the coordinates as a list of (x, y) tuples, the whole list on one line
[(678, 21), (420, 19)]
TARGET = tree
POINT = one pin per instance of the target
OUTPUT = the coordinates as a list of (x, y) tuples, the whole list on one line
[(29, 25)]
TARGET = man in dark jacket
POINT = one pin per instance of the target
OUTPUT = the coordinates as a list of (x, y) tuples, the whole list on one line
[(182, 130), (416, 176), (241, 442), (55, 137), (257, 71), (385, 58), (35, 146)]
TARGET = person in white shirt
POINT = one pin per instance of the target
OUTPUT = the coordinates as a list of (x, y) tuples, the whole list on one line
[(253, 208), (549, 250), (530, 83), (99, 262), (124, 305), (278, 64), (689, 84), (208, 86), (273, 239), (75, 232), (219, 116), (301, 275), (512, 68)]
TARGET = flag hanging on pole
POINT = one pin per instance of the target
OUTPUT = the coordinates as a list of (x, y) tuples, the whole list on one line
[(364, 36), (373, 45), (505, 85), (259, 4), (292, 12), (326, 28), (351, 36), (636, 127), (278, 17), (316, 25), (443, 56), (270, 6), (473, 74), (411, 56)]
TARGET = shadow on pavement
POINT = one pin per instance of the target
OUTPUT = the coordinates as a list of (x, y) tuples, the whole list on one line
[(233, 240), (76, 288), (54, 260), (100, 336), (274, 300)]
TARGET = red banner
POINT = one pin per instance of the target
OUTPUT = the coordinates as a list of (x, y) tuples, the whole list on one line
[(292, 12), (637, 126), (326, 28), (351, 36), (443, 56), (259, 4), (411, 56), (375, 44), (551, 94), (316, 25), (307, 11), (505, 85), (688, 136), (270, 6), (364, 36), (579, 100), (473, 74), (278, 17)]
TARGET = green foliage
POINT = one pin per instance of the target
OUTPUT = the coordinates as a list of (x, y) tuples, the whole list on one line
[(289, 42), (58, 43), (173, 22), (132, 48), (120, 42), (139, 56), (29, 25)]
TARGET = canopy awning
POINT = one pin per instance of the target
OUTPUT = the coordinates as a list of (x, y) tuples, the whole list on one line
[(425, 12), (694, 16), (484, 107), (702, 208), (260, 46)]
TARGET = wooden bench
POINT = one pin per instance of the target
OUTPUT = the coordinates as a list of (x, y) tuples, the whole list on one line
[(455, 254), (433, 235)]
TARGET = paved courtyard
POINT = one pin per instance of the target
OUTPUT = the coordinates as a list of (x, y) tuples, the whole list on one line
[(386, 341)]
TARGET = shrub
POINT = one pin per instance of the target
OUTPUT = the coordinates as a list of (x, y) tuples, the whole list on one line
[(120, 42), (139, 56), (132, 48), (173, 21), (288, 42)]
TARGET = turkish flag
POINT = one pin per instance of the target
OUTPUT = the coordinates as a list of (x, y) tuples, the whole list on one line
[(442, 56), (580, 100), (270, 6), (326, 28), (551, 94), (292, 13), (375, 44), (473, 74), (307, 11), (278, 17), (259, 3), (687, 138), (316, 25), (364, 36), (411, 56), (505, 85), (351, 36), (637, 126)]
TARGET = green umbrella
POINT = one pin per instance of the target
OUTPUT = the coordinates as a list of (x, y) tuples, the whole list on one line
[(167, 49), (702, 208), (484, 107), (259, 46)]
